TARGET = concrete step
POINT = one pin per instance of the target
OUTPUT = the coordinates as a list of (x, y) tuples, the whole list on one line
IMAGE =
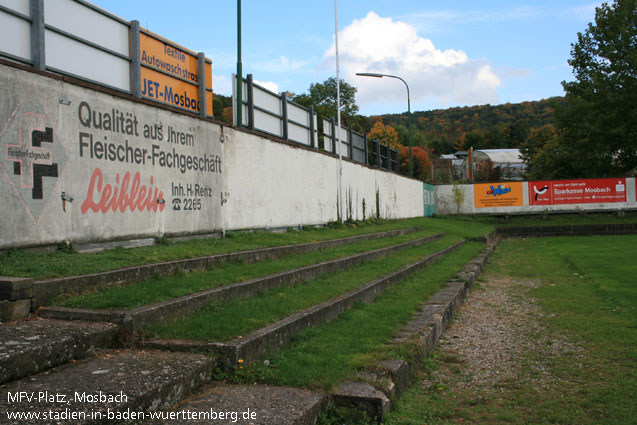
[(46, 290), (31, 346), (247, 404), (144, 316), (249, 348), (116, 387)]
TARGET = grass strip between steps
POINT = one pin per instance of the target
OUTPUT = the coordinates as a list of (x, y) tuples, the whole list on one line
[(58, 263), (230, 319), (167, 287), (322, 356), (42, 265)]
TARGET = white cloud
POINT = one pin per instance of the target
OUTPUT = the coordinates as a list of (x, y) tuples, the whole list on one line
[(382, 45), (273, 87)]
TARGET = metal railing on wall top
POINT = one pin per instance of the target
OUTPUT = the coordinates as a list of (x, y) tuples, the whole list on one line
[(81, 40)]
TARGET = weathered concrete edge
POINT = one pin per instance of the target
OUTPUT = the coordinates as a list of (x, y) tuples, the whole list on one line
[(140, 317), (392, 377), (568, 230), (172, 392), (274, 336), (40, 357), (46, 290)]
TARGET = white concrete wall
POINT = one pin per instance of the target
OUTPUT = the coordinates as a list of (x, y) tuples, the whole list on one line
[(251, 181), (275, 185), (445, 203)]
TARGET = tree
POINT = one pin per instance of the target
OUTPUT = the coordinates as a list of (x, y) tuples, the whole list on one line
[(442, 146), (458, 195), (219, 104), (227, 114), (417, 137), (517, 133), (323, 97), (535, 145), (422, 163), (596, 124), (385, 133)]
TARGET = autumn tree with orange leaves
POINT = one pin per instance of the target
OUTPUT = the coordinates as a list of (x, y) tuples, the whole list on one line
[(422, 162), (385, 133)]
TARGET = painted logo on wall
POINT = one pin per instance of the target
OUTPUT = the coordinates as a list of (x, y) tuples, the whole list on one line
[(488, 195), (33, 158)]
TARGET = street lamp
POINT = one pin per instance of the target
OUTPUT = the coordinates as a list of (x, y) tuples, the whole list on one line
[(338, 115), (239, 105), (375, 75)]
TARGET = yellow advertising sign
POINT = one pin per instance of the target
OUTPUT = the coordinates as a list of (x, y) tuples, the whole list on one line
[(169, 73), (489, 195), (158, 86)]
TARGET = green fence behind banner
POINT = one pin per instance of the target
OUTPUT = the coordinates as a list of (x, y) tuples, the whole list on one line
[(429, 199)]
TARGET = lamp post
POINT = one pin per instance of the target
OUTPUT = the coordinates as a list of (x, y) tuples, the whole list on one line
[(239, 104), (376, 75), (339, 177)]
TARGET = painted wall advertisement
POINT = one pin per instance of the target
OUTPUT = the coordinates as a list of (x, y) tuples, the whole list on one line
[(84, 166), (490, 195), (587, 191)]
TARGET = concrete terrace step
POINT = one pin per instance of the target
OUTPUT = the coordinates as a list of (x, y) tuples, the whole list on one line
[(250, 347), (106, 389), (179, 307), (247, 404), (28, 347), (46, 290)]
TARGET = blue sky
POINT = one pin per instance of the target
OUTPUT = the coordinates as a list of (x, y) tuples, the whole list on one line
[(451, 53)]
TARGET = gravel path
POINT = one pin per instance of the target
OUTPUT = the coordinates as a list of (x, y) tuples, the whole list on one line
[(497, 337)]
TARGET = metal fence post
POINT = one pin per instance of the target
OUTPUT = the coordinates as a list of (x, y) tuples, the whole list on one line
[(250, 96), (393, 154), (365, 149), (37, 34), (136, 64), (333, 133), (313, 143), (201, 64), (284, 115), (350, 142)]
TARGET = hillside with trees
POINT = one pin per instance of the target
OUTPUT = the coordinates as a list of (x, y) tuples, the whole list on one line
[(481, 127)]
